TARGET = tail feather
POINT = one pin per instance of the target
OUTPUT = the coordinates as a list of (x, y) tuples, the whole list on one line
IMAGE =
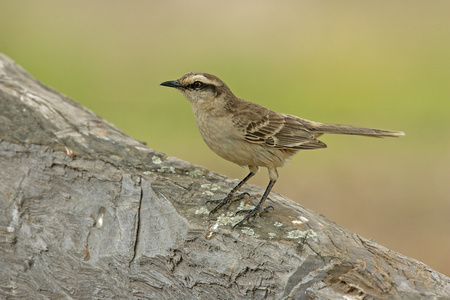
[(321, 128)]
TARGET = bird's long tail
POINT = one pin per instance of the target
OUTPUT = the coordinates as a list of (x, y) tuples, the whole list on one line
[(321, 128)]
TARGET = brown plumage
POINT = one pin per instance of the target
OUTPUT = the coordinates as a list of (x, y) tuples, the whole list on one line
[(251, 135)]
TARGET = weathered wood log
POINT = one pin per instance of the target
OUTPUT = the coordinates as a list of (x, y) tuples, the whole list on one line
[(87, 212)]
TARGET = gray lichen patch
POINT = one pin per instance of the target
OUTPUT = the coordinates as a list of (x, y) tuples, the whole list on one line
[(202, 211), (298, 234), (210, 186), (228, 219), (195, 173), (156, 160), (165, 169), (208, 193), (210, 189), (244, 206), (250, 232)]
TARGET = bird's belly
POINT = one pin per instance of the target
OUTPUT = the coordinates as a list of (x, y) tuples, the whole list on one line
[(226, 141), (239, 151)]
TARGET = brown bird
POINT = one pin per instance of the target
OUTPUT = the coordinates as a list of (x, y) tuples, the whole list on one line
[(251, 135)]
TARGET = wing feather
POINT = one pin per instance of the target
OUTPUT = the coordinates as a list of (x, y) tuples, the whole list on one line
[(263, 126)]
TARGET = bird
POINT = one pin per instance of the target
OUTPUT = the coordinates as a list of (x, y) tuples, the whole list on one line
[(251, 135)]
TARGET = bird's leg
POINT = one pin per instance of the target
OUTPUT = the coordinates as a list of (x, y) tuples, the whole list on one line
[(229, 197), (253, 213)]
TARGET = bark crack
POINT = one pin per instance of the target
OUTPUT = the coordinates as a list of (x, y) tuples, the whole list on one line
[(138, 221)]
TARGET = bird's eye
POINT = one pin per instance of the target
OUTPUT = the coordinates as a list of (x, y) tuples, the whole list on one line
[(197, 85)]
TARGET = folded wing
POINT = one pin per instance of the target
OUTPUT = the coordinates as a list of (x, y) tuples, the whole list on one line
[(276, 130)]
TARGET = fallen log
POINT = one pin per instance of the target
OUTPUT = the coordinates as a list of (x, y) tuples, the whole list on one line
[(88, 212)]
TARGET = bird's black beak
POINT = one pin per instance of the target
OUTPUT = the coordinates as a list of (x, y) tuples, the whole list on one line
[(172, 83)]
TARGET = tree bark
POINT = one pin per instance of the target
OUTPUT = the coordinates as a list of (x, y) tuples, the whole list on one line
[(87, 212)]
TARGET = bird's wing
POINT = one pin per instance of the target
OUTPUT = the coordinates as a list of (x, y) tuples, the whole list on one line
[(263, 126)]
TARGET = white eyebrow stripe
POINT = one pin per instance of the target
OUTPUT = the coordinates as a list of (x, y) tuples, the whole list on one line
[(201, 78)]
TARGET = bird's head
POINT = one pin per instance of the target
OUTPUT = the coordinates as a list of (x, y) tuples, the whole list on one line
[(199, 87)]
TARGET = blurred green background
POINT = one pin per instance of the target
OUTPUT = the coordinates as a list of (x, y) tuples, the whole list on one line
[(382, 64)]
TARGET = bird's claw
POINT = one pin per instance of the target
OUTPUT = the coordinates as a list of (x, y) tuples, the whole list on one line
[(252, 214), (226, 202), (266, 209)]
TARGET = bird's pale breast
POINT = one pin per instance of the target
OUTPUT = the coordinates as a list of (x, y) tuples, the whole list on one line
[(226, 141)]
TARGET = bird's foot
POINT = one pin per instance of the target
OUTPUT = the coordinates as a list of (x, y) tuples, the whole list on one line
[(251, 214), (225, 202)]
